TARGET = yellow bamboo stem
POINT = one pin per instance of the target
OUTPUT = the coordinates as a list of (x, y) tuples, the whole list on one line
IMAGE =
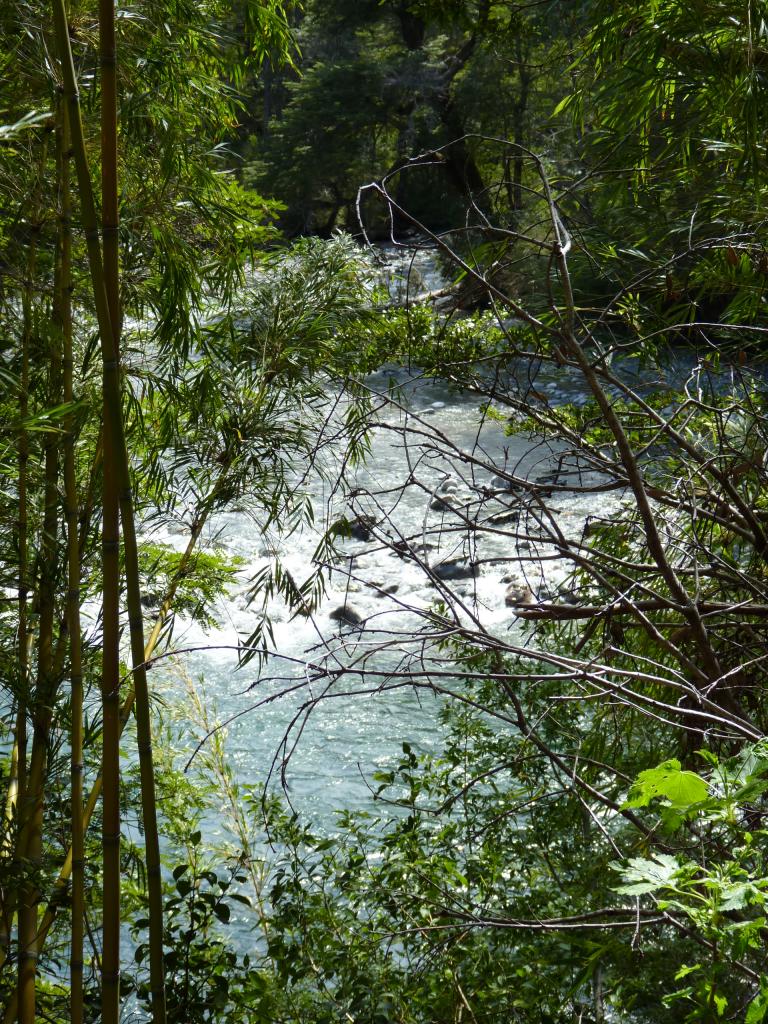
[(28, 783), (73, 594), (7, 844), (166, 605), (110, 677)]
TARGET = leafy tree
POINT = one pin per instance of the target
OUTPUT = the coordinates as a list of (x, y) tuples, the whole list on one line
[(395, 80), (668, 102), (70, 435)]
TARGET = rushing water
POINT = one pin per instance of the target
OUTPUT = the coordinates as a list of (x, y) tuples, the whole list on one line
[(345, 739)]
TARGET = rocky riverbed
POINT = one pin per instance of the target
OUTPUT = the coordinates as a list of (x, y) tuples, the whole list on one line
[(435, 519)]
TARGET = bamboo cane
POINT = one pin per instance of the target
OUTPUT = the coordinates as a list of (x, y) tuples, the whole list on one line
[(110, 678), (27, 897), (7, 899), (113, 419), (17, 777), (108, 326), (31, 839), (113, 426), (73, 594), (31, 842), (110, 215), (146, 766), (166, 605)]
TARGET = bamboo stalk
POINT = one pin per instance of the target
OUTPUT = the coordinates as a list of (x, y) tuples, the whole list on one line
[(146, 766), (31, 843), (67, 868), (113, 417), (113, 428), (28, 782), (113, 422), (110, 224), (110, 677), (73, 593), (114, 431), (11, 810)]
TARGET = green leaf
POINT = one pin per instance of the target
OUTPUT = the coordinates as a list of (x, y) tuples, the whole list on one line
[(685, 971), (758, 1007), (669, 781), (564, 103), (643, 875), (737, 896)]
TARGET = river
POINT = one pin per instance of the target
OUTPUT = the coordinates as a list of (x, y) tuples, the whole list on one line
[(430, 471)]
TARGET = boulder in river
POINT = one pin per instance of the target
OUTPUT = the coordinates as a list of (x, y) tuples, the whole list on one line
[(442, 504), (346, 616), (360, 527), (517, 595), (381, 588), (456, 569), (502, 483), (504, 517)]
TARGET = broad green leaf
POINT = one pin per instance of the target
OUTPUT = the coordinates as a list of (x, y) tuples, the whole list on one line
[(669, 781), (758, 1007), (643, 875), (735, 897)]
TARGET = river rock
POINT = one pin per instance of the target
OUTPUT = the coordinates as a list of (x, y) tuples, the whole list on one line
[(346, 615), (406, 549), (443, 504), (504, 517), (456, 569), (517, 595), (360, 527), (501, 483), (381, 588)]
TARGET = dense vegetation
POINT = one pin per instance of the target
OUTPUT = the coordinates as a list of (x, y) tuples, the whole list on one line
[(589, 842)]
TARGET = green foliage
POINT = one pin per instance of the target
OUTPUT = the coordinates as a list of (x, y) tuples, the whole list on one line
[(564, 855), (207, 577), (680, 788), (208, 980), (396, 80), (722, 896)]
